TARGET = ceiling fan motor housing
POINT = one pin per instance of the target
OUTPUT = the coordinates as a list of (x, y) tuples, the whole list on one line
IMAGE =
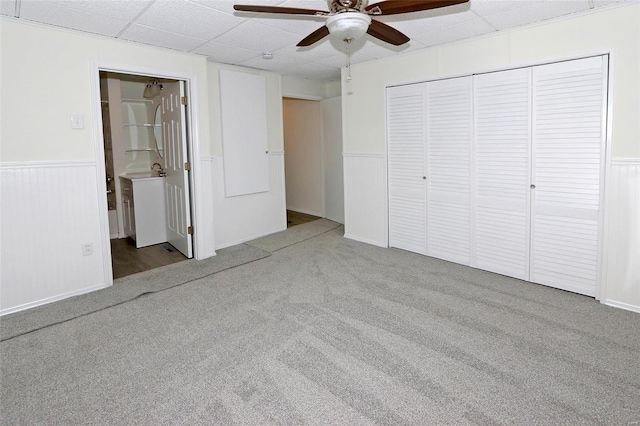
[(348, 26), (340, 6)]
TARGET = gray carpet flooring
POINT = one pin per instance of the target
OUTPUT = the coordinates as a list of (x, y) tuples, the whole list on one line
[(313, 328)]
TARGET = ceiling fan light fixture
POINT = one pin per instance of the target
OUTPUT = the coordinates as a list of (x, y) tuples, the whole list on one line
[(153, 89), (348, 25)]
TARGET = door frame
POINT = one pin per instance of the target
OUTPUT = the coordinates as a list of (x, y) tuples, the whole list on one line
[(193, 147)]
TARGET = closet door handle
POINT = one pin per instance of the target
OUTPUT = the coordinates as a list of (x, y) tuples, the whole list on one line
[(424, 178), (533, 187)]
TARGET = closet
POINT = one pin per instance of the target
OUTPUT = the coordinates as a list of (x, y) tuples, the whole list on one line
[(503, 171)]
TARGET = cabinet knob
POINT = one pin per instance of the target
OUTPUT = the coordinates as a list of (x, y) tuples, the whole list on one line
[(424, 178), (533, 187)]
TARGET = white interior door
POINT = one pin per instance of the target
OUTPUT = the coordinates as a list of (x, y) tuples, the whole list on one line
[(502, 144), (569, 106), (174, 137), (406, 157), (449, 139)]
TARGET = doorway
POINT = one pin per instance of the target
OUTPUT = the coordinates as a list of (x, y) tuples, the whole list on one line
[(144, 126), (313, 159)]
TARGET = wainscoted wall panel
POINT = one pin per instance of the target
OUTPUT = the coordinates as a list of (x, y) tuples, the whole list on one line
[(365, 198), (623, 253), (245, 217), (49, 210)]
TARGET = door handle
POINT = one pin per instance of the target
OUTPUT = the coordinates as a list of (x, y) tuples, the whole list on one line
[(533, 186)]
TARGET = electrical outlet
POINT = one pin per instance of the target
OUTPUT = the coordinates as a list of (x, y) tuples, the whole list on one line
[(87, 249)]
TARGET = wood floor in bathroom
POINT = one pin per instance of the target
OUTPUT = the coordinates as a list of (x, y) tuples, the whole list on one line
[(128, 260)]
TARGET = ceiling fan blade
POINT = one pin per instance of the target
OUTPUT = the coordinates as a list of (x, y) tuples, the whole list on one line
[(394, 7), (278, 9), (386, 33), (315, 36)]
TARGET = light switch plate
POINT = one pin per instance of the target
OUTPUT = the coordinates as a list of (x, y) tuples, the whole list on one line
[(77, 121)]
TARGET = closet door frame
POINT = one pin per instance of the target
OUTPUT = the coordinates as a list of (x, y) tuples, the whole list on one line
[(416, 179), (604, 160), (606, 137)]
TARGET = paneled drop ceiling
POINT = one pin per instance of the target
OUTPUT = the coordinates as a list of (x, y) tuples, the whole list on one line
[(213, 29)]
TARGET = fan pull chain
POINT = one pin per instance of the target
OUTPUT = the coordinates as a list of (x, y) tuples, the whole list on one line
[(348, 41)]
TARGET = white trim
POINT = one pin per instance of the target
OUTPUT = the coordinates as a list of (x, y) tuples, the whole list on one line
[(509, 67), (244, 240), (303, 97), (621, 305), (621, 161), (190, 79), (605, 170), (366, 241), (53, 299), (309, 212), (45, 164), (101, 173), (362, 155)]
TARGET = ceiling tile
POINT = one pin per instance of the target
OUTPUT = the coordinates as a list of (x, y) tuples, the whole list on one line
[(212, 27), (535, 12), (430, 22), (302, 26), (187, 18), (121, 9), (314, 71), (225, 53), (254, 36), (54, 14), (322, 49), (8, 7), (160, 38), (456, 32), (277, 64), (491, 7)]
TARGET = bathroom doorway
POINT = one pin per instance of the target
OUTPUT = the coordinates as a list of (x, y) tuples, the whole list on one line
[(146, 164)]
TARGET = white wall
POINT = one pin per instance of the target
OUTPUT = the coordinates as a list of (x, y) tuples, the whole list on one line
[(615, 30), (303, 156), (333, 164)]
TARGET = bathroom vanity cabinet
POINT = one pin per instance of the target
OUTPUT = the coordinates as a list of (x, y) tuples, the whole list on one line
[(143, 208)]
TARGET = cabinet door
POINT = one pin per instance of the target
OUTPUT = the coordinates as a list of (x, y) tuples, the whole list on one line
[(568, 152), (449, 127), (406, 157), (128, 216), (502, 143)]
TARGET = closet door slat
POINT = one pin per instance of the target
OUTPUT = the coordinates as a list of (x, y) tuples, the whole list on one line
[(569, 102), (502, 143), (406, 166), (449, 134)]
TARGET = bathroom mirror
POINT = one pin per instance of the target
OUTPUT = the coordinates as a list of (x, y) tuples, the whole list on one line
[(157, 130)]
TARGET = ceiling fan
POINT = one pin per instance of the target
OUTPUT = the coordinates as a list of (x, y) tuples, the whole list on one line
[(351, 19)]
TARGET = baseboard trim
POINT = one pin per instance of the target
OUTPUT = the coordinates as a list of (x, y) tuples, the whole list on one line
[(310, 213), (366, 241), (244, 240), (52, 299), (621, 305)]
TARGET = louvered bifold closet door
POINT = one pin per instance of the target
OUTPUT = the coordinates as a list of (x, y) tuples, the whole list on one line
[(449, 127), (569, 103), (502, 143), (406, 157)]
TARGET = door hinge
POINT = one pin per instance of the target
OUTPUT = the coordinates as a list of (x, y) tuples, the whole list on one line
[(190, 230), (187, 166), (183, 100)]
